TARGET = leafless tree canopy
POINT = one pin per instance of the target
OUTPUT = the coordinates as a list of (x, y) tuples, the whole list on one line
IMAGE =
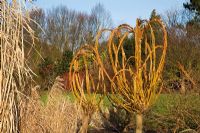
[(69, 29)]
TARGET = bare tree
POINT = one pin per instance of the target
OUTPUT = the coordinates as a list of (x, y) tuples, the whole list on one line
[(99, 19), (183, 49), (69, 29), (38, 23), (174, 17), (78, 31), (59, 20)]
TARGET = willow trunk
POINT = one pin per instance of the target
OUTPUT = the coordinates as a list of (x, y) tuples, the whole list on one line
[(139, 118)]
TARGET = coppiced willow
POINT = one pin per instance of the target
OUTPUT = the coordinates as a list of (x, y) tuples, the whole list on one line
[(87, 82), (135, 81), (14, 71)]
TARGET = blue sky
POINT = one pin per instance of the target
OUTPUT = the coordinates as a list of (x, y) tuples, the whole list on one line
[(122, 11)]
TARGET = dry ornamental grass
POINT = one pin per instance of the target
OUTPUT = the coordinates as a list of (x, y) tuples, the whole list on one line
[(14, 71)]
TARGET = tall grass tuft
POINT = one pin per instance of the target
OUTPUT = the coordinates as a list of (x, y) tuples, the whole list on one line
[(59, 115), (13, 72)]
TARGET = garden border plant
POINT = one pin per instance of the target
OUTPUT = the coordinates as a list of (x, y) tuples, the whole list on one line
[(135, 86), (85, 85), (14, 71)]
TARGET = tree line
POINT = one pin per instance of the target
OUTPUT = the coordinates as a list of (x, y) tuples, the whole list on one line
[(67, 28), (60, 30)]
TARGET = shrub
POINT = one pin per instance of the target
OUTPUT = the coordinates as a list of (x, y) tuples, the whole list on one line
[(135, 87), (46, 72), (85, 85), (46, 68), (64, 64)]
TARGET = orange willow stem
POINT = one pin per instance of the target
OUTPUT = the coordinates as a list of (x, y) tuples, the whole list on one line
[(133, 86)]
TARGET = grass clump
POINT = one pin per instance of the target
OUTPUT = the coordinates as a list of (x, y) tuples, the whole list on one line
[(14, 72), (57, 115)]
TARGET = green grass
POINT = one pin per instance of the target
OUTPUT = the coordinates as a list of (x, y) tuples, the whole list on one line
[(70, 96), (164, 102), (161, 106), (165, 106), (44, 97)]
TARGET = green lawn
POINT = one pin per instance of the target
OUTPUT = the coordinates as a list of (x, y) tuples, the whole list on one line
[(161, 106), (163, 113), (44, 96)]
